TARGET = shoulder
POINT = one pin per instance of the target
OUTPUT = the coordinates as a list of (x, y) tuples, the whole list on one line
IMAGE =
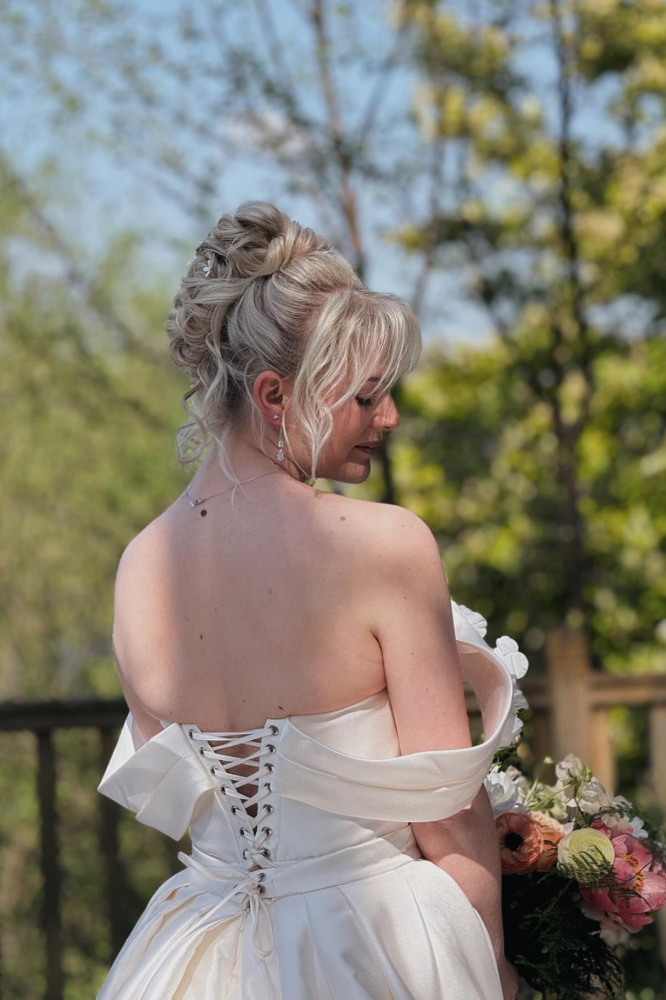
[(398, 538), (142, 565), (379, 521), (142, 551), (391, 550)]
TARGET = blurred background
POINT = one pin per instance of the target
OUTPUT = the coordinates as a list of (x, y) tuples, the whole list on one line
[(499, 165)]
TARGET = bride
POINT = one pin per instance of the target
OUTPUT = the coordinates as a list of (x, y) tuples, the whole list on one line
[(291, 663)]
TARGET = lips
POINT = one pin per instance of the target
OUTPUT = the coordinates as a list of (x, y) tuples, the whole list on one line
[(369, 449)]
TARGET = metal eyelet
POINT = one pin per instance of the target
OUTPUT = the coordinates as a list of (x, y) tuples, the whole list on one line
[(270, 747), (246, 853), (261, 877), (268, 807), (269, 766), (223, 789), (191, 734), (266, 853), (274, 730), (267, 830), (201, 751), (213, 769), (261, 889), (234, 810), (268, 785), (242, 831)]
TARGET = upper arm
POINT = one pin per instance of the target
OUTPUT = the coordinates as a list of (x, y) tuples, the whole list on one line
[(131, 665), (411, 616)]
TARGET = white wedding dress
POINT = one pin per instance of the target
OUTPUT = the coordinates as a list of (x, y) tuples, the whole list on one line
[(324, 893)]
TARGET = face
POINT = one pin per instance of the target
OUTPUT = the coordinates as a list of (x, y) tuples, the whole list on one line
[(364, 419)]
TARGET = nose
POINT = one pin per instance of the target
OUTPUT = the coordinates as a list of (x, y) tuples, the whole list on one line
[(387, 415)]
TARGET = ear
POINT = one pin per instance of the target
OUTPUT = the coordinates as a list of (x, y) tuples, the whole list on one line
[(271, 390)]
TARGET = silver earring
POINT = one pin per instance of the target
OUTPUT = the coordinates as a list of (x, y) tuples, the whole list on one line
[(280, 444)]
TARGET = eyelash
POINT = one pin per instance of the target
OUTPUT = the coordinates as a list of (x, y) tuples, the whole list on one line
[(364, 402)]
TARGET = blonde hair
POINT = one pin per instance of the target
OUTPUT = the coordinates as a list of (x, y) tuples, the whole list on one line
[(265, 293)]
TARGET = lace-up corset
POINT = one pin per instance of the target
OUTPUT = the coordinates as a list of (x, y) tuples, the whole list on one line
[(251, 807)]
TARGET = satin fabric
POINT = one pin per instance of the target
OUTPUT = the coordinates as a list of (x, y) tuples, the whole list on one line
[(335, 900)]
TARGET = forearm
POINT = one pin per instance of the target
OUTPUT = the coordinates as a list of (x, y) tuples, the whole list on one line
[(466, 847)]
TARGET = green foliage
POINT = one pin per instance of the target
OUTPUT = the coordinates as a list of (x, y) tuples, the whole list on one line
[(558, 953), (539, 459), (478, 460)]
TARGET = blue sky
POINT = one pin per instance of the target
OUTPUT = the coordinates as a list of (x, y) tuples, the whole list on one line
[(94, 195)]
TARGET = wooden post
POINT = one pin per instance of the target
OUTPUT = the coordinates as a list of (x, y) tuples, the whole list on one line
[(113, 873), (50, 864), (567, 666), (601, 750)]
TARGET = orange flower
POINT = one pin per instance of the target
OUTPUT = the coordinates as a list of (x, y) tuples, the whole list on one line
[(552, 832), (520, 841)]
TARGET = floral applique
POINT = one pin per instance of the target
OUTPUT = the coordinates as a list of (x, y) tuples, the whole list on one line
[(517, 665)]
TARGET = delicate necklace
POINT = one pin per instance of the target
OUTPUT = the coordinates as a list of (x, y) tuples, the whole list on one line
[(195, 502)]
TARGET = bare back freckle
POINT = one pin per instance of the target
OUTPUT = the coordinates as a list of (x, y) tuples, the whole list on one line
[(342, 517)]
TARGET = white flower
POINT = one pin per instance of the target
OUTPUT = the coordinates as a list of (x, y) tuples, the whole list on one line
[(622, 824), (516, 664), (516, 661), (590, 797), (518, 778), (611, 932), (570, 767), (208, 266), (505, 795), (475, 619)]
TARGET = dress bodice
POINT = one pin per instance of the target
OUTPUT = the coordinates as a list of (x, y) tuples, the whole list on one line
[(334, 778), (319, 854)]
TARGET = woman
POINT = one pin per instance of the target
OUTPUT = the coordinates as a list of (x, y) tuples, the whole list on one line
[(305, 642)]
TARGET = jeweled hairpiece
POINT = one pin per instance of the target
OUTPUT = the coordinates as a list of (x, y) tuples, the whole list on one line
[(208, 266)]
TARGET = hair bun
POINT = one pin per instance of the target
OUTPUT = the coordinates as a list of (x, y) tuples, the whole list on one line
[(256, 241)]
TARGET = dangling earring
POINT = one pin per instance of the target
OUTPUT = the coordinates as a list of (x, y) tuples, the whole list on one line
[(280, 444)]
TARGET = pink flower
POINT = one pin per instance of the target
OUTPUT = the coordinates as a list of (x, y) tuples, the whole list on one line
[(599, 824), (634, 868), (552, 833), (521, 842)]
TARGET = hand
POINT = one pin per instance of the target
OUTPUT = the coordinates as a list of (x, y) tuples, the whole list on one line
[(508, 979)]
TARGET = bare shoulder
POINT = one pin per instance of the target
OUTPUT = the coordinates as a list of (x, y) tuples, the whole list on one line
[(137, 574), (381, 523), (398, 542)]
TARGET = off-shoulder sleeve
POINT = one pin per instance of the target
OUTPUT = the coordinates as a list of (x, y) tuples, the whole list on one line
[(423, 786), (161, 781)]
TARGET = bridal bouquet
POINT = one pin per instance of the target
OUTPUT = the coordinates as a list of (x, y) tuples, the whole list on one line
[(582, 871)]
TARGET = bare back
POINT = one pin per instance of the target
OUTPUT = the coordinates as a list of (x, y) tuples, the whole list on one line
[(237, 616)]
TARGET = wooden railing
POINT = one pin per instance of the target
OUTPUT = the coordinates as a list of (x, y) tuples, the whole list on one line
[(570, 707), (43, 719)]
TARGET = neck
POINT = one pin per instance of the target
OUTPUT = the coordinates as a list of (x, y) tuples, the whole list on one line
[(247, 461)]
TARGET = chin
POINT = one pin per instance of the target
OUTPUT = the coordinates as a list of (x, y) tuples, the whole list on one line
[(355, 472)]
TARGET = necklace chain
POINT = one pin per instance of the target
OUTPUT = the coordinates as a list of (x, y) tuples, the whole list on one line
[(196, 501)]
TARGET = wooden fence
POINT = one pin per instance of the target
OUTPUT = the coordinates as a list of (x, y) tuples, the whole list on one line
[(570, 705)]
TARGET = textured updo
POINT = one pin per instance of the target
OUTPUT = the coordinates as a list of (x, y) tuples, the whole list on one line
[(265, 293)]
